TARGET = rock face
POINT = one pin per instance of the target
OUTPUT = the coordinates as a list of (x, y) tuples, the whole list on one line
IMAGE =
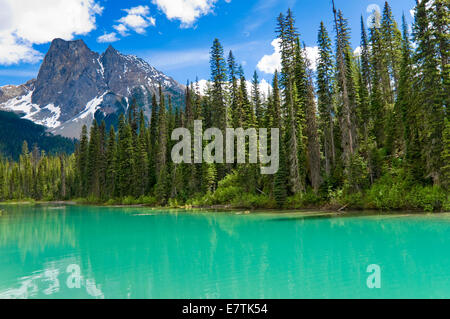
[(69, 77), (9, 92), (76, 85)]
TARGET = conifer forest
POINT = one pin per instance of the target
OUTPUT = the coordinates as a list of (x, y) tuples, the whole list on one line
[(365, 130)]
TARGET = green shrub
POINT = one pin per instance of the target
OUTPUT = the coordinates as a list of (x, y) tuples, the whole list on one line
[(148, 200), (428, 198), (386, 196), (112, 202), (226, 195), (129, 200), (252, 201), (304, 200)]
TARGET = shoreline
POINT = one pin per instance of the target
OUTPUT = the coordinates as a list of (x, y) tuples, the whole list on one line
[(327, 209)]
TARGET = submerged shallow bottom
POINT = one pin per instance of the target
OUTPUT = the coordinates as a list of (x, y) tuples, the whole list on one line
[(93, 252)]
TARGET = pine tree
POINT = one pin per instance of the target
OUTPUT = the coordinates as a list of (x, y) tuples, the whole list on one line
[(279, 186), (378, 96), (153, 132), (256, 98), (294, 143), (273, 119), (346, 111), (63, 192), (219, 116), (126, 163), (209, 178), (408, 108), (380, 64), (325, 75), (3, 180), (440, 16), (292, 108), (161, 149), (26, 170), (392, 39), (218, 79), (248, 114), (429, 85), (93, 161), (102, 159), (234, 90), (111, 164), (82, 163), (446, 156), (141, 158), (365, 58), (312, 133), (275, 113), (132, 117), (162, 186)]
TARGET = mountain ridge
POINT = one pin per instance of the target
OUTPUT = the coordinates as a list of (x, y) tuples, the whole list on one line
[(75, 85)]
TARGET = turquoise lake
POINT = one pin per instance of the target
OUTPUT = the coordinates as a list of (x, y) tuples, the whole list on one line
[(96, 252)]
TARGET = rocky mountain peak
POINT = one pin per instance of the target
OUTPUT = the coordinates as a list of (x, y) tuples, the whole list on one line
[(68, 77), (110, 51), (75, 84)]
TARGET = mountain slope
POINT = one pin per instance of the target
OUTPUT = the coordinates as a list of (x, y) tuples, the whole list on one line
[(76, 85), (14, 130)]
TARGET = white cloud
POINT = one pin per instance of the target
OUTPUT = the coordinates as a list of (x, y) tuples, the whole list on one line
[(270, 63), (27, 22), (137, 19), (203, 86), (121, 29), (357, 51), (187, 11), (108, 38), (375, 13), (12, 51), (265, 87), (312, 54)]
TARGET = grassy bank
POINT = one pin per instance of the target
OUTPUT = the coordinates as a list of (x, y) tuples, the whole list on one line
[(378, 197), (388, 193)]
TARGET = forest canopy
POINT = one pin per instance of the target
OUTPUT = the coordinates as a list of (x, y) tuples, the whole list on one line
[(14, 131), (364, 131)]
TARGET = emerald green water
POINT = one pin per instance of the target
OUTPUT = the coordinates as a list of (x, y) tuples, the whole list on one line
[(143, 253)]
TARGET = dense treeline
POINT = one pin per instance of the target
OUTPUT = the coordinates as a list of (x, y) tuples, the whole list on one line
[(370, 130), (14, 130)]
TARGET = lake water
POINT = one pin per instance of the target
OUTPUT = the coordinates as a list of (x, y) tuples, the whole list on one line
[(96, 252)]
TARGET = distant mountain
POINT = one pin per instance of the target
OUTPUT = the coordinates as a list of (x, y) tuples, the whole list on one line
[(76, 85), (14, 131)]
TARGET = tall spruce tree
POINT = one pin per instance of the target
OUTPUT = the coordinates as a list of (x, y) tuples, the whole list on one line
[(292, 106), (93, 161), (392, 39), (256, 99), (346, 109), (325, 78), (429, 84), (83, 158), (126, 159), (111, 164)]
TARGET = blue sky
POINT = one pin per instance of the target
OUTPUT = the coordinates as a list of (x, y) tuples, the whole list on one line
[(172, 35)]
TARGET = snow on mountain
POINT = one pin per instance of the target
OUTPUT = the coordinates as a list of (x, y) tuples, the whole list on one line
[(76, 85)]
